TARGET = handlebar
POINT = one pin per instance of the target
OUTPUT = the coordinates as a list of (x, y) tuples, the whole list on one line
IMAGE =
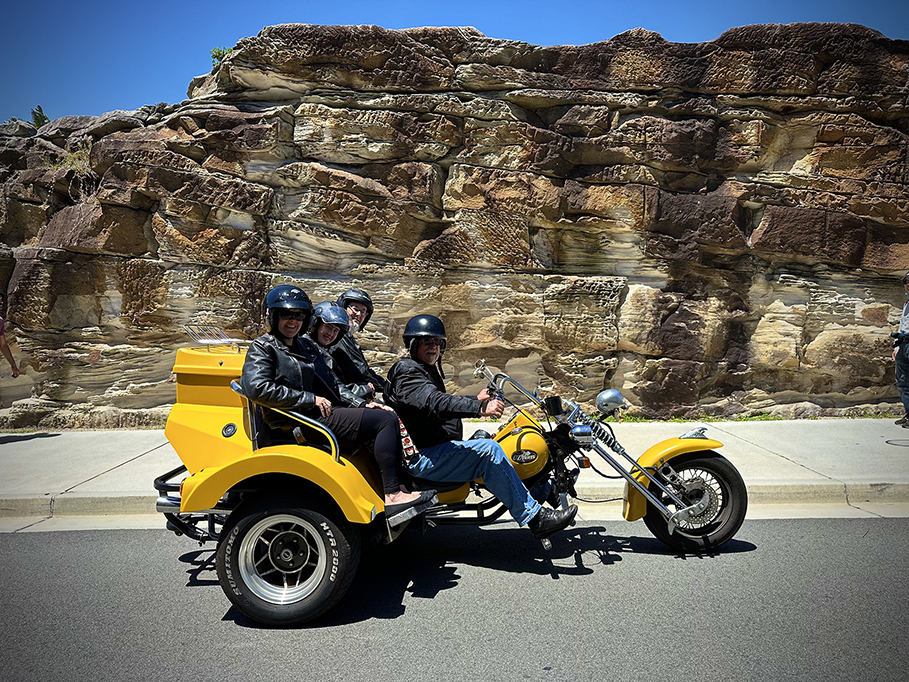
[(498, 381), (590, 434), (568, 412)]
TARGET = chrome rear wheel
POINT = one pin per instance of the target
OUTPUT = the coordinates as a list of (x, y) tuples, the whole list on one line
[(282, 559), (283, 563)]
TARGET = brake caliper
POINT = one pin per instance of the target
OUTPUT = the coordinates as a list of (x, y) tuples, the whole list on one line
[(692, 491)]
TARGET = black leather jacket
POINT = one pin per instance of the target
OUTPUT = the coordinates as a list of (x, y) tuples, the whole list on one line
[(276, 375), (432, 416), (354, 372)]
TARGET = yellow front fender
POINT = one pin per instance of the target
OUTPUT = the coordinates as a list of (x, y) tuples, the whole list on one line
[(634, 504), (342, 480)]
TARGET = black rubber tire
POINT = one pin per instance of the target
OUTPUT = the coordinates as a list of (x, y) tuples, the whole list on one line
[(283, 562), (720, 524)]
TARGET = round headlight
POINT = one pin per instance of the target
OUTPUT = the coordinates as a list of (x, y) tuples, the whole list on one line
[(609, 401)]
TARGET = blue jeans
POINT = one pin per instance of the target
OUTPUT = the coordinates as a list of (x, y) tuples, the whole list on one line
[(902, 374), (464, 460)]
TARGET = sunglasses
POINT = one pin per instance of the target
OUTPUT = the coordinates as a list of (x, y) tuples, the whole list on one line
[(432, 341), (292, 315)]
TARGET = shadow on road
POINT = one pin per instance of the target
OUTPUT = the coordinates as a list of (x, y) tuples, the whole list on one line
[(201, 562), (22, 437), (424, 566)]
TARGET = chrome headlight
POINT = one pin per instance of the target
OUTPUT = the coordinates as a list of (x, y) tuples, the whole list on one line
[(609, 401), (582, 435)]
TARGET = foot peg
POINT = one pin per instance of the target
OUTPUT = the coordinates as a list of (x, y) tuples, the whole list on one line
[(407, 514)]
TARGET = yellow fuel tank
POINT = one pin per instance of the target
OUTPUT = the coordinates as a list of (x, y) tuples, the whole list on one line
[(522, 440)]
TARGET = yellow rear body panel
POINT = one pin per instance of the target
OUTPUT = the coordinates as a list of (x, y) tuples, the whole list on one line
[(634, 504), (204, 375), (342, 481), (209, 429), (197, 434)]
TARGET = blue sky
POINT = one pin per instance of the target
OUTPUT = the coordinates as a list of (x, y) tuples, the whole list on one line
[(94, 56)]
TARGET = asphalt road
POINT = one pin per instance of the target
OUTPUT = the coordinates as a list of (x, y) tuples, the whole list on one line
[(802, 599)]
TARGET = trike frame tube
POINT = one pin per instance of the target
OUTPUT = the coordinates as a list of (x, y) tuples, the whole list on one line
[(499, 381)]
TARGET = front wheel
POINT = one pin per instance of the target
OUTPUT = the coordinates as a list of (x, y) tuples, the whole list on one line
[(711, 475), (283, 563)]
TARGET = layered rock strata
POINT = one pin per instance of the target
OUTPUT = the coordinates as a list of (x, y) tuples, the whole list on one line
[(713, 228)]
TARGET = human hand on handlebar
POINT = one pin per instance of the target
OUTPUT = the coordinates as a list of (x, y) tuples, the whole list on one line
[(492, 408), (486, 394), (324, 405)]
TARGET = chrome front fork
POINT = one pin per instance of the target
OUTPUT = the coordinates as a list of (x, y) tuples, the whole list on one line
[(688, 513), (684, 514)]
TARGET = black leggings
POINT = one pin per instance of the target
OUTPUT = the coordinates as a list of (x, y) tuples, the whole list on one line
[(353, 426)]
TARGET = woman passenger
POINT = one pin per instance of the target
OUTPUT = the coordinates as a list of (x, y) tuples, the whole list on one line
[(286, 370)]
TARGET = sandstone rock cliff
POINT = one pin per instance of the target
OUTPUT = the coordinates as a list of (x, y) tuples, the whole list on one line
[(713, 228)]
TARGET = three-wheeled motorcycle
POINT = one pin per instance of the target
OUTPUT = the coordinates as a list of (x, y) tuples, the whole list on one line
[(288, 517)]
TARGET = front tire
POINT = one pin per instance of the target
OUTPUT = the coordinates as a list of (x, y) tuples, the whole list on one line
[(286, 563), (728, 502)]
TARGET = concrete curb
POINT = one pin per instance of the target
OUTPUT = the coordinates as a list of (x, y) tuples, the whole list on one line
[(75, 504), (764, 493), (787, 493)]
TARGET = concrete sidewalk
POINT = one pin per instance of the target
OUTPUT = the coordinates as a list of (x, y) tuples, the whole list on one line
[(861, 463)]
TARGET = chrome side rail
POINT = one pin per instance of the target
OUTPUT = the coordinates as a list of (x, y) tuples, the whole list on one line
[(321, 428), (167, 504), (335, 451)]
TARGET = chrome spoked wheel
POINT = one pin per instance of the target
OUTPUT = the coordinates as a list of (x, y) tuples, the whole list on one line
[(283, 559), (703, 483), (705, 474)]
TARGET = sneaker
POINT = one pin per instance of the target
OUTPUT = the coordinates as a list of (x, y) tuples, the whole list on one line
[(902, 421), (549, 521)]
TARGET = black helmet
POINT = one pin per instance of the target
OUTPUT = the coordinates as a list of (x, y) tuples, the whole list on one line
[(329, 313), (424, 325), (359, 296), (286, 296)]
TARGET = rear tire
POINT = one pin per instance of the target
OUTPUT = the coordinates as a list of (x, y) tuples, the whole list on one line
[(724, 514), (286, 563)]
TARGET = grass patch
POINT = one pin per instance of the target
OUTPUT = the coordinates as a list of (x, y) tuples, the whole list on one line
[(77, 161), (634, 418), (702, 418)]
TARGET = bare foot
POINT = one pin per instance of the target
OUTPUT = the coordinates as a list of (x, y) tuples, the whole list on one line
[(401, 498)]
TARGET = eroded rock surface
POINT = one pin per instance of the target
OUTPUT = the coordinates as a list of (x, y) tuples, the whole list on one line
[(713, 228)]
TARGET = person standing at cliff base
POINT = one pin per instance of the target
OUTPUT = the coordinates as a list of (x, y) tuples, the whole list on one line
[(901, 355), (4, 346)]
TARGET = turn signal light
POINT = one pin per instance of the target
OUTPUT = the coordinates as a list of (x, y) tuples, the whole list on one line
[(584, 462)]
